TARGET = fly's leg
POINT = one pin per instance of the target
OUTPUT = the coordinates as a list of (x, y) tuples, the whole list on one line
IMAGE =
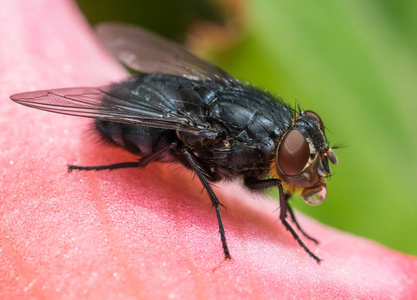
[(298, 225), (215, 202), (283, 215), (257, 184), (134, 164), (261, 184), (143, 162)]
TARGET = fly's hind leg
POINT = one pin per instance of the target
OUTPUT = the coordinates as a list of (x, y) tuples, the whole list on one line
[(143, 162)]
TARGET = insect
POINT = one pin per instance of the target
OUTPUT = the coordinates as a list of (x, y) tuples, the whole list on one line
[(183, 109)]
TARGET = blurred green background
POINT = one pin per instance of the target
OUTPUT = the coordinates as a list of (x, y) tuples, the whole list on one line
[(353, 62)]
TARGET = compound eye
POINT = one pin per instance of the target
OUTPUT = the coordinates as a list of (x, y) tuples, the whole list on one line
[(293, 153)]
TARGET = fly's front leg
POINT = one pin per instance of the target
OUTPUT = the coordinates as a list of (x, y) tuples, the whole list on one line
[(298, 225), (216, 203), (143, 162), (258, 184), (283, 215)]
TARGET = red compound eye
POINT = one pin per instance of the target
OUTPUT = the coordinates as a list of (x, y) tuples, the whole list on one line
[(293, 153)]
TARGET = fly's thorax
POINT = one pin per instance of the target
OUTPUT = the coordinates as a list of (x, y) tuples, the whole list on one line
[(302, 157)]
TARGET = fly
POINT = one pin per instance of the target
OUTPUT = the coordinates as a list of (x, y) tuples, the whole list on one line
[(184, 109)]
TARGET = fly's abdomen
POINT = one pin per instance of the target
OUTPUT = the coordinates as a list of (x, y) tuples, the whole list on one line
[(140, 140)]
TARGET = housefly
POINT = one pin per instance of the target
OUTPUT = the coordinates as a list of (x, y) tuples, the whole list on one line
[(183, 109)]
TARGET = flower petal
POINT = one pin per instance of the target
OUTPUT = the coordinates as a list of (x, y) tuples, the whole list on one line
[(140, 233)]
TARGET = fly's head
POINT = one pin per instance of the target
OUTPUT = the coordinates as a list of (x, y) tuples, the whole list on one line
[(302, 158)]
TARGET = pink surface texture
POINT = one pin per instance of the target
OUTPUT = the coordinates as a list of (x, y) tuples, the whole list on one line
[(141, 234)]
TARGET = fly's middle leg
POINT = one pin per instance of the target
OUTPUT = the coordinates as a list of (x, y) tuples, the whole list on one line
[(216, 203)]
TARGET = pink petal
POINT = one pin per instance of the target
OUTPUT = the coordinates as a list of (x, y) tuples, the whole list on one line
[(140, 233)]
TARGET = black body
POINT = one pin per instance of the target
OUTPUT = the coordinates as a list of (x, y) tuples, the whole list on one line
[(184, 109), (247, 121)]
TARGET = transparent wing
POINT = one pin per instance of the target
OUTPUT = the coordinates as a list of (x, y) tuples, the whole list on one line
[(108, 104), (146, 52)]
